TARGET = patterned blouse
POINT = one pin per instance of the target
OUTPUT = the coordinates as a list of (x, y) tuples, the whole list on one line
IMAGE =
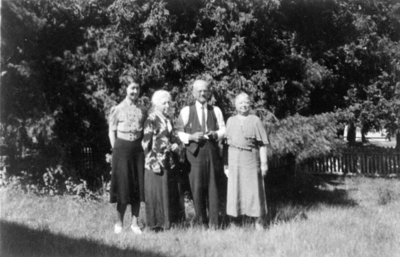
[(127, 117), (158, 138)]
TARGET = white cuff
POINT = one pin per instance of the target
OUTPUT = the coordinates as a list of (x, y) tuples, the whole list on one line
[(184, 137)]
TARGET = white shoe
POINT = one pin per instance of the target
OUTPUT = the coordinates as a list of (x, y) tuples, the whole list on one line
[(259, 227), (117, 228), (136, 230)]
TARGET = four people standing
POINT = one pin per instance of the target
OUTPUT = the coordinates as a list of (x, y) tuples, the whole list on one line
[(200, 127)]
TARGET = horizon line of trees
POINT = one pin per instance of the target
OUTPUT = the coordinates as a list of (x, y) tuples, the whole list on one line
[(310, 66)]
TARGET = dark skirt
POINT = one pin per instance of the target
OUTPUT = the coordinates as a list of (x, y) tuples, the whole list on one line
[(127, 183), (164, 206)]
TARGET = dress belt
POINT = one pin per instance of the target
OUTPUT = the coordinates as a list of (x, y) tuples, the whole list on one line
[(129, 136), (243, 148)]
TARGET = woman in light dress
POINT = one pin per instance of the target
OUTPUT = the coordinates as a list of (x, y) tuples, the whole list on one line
[(247, 163)]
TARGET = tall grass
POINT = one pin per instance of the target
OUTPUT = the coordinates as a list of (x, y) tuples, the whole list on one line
[(354, 217)]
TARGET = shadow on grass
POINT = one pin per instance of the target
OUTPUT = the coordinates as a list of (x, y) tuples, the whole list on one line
[(289, 196), (18, 240)]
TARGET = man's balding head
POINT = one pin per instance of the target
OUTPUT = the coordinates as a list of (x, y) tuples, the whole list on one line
[(201, 91)]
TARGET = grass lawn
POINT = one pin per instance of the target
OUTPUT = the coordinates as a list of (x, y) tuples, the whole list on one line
[(351, 217)]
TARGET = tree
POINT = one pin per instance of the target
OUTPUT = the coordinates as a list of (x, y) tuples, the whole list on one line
[(63, 62), (36, 102)]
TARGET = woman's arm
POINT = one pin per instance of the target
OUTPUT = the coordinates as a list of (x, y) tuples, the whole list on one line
[(263, 160), (112, 125), (225, 157), (112, 135), (225, 146)]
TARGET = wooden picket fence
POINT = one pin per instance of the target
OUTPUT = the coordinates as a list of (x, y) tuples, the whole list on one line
[(89, 157), (356, 160), (382, 162)]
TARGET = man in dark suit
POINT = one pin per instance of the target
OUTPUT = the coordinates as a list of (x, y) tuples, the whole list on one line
[(200, 126)]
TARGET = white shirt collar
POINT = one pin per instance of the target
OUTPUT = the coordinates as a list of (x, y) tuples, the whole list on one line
[(199, 105)]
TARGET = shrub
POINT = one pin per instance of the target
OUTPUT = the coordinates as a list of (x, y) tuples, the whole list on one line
[(54, 181), (305, 137)]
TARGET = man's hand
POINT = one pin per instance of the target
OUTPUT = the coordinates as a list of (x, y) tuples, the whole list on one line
[(197, 137), (212, 135), (264, 169)]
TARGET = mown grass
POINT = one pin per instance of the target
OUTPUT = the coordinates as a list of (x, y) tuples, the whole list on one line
[(352, 217)]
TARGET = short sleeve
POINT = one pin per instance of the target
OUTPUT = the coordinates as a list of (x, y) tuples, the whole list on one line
[(260, 132), (228, 127), (113, 119)]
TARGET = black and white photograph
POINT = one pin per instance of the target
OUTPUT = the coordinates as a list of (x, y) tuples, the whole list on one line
[(200, 128)]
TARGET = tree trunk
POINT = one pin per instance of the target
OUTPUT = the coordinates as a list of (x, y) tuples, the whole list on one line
[(351, 134), (398, 140), (363, 133)]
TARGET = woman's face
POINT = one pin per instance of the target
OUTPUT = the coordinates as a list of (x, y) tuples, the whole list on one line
[(243, 105), (164, 105), (133, 91)]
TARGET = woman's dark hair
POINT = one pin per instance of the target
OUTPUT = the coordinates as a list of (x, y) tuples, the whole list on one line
[(126, 80)]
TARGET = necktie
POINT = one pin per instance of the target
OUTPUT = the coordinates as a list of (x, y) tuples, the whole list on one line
[(203, 120)]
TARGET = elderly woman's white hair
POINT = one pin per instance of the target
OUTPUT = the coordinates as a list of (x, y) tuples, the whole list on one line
[(160, 95), (241, 96)]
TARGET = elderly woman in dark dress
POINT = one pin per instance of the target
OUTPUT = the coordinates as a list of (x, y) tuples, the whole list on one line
[(125, 134), (247, 160), (163, 206)]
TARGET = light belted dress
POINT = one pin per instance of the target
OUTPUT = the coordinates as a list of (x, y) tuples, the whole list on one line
[(246, 193), (127, 185)]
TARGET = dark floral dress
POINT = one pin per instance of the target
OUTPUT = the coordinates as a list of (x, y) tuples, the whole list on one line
[(163, 205)]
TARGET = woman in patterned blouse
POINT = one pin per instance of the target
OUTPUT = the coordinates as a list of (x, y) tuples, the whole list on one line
[(125, 133), (161, 145)]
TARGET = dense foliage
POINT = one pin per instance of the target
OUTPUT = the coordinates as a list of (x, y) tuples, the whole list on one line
[(62, 61), (306, 137)]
